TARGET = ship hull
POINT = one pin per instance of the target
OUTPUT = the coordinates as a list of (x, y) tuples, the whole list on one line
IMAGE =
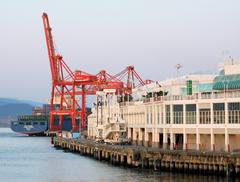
[(30, 127), (38, 128)]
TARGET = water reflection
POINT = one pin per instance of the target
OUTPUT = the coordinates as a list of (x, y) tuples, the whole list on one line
[(33, 159)]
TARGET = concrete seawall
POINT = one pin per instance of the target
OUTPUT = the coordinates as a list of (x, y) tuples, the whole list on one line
[(204, 163)]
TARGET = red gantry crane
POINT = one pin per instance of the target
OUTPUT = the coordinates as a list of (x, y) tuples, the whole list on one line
[(69, 85), (65, 83)]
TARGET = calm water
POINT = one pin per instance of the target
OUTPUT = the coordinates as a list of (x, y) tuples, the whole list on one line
[(33, 159)]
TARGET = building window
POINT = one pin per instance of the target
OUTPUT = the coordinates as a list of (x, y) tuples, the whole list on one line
[(219, 113), (178, 114), (191, 114), (168, 114), (205, 116), (234, 113)]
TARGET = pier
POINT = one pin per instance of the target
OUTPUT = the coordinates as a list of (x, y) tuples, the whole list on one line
[(181, 161)]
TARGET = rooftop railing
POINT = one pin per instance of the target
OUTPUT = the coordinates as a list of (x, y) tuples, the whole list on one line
[(221, 95)]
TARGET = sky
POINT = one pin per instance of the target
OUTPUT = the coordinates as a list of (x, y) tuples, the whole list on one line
[(91, 35)]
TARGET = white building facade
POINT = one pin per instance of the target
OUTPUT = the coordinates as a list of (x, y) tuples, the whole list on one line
[(195, 112)]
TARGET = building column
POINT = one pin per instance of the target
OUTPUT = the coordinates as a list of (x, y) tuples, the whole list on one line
[(212, 134), (154, 115), (140, 136), (139, 119), (212, 140), (164, 138), (212, 115), (197, 115), (185, 147), (184, 114), (134, 139), (129, 133), (171, 114), (198, 142), (164, 114), (227, 146), (156, 138), (145, 143), (226, 113), (145, 115), (172, 140)]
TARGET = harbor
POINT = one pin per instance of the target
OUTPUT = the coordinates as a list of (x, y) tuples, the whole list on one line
[(120, 91), (35, 159), (186, 124)]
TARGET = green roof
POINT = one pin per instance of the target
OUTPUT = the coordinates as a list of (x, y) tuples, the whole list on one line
[(205, 87), (226, 82)]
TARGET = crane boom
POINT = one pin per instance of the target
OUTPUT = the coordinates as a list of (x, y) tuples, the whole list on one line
[(53, 58)]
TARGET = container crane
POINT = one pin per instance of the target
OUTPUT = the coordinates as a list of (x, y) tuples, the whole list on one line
[(65, 83), (70, 84)]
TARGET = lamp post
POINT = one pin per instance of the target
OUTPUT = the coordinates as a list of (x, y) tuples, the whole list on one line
[(178, 67), (225, 87)]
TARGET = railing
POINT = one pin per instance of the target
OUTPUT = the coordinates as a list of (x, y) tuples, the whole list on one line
[(221, 95), (205, 117), (234, 116), (219, 117), (178, 117), (191, 117)]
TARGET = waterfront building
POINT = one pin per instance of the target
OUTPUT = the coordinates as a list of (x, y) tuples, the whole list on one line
[(198, 112)]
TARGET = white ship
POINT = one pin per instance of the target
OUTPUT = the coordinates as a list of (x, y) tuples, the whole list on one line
[(194, 112)]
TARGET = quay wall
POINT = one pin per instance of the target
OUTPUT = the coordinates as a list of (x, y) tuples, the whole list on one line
[(184, 161)]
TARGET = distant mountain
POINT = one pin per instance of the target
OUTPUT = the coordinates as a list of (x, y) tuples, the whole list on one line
[(4, 101), (33, 103), (10, 108), (15, 109)]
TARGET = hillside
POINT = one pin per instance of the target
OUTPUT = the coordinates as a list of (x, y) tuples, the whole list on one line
[(15, 109), (11, 108), (5, 101)]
